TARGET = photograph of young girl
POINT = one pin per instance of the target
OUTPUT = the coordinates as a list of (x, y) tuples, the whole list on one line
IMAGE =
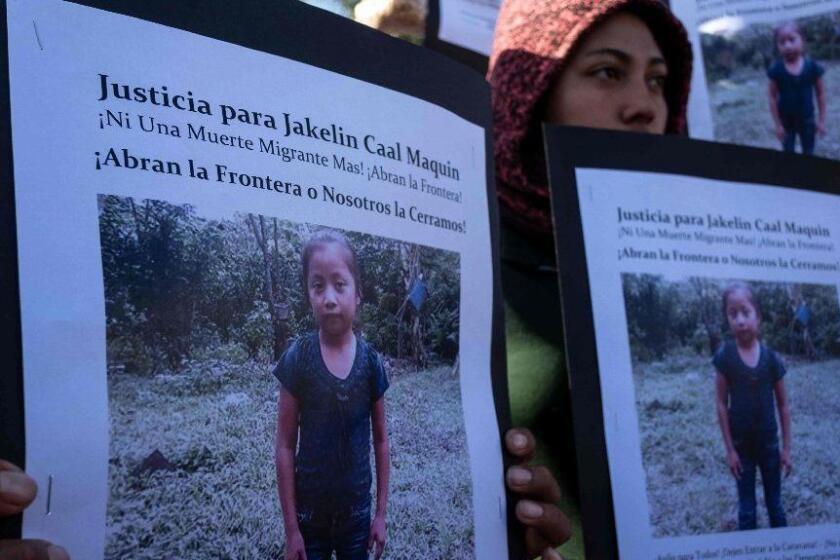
[(333, 392), (795, 81), (280, 389), (749, 389), (775, 85), (730, 396)]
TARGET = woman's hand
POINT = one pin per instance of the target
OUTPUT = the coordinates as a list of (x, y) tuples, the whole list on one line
[(294, 546), (546, 526), (376, 540), (17, 491), (787, 463), (734, 463)]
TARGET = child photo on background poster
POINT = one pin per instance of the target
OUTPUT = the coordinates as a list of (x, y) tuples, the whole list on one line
[(795, 79), (772, 79)]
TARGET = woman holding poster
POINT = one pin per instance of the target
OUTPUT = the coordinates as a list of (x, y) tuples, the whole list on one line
[(616, 64)]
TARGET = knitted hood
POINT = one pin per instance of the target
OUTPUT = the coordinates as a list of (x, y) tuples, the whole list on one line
[(532, 42)]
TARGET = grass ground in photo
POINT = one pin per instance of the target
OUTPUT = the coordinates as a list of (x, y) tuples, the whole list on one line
[(210, 490), (689, 487), (741, 111)]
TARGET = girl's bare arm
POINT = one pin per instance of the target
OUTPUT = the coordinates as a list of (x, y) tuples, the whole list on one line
[(284, 457), (784, 415), (377, 535), (773, 98), (721, 402), (381, 454), (820, 90), (773, 95)]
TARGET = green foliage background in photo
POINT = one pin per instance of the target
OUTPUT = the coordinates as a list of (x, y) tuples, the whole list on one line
[(197, 310)]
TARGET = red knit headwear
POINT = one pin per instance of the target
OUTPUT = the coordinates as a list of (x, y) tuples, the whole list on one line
[(532, 44)]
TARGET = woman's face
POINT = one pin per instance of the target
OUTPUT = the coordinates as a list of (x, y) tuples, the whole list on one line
[(615, 79)]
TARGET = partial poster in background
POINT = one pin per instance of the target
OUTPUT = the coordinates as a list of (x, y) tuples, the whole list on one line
[(755, 57), (463, 29), (469, 23), (166, 184), (672, 262)]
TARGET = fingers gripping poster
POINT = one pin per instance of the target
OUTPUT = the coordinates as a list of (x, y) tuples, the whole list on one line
[(256, 296)]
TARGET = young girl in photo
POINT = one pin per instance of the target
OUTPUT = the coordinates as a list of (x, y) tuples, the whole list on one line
[(794, 80), (749, 382), (331, 398)]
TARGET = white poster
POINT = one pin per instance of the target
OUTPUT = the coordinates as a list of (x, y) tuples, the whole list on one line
[(766, 73), (469, 23), (670, 259), (172, 192)]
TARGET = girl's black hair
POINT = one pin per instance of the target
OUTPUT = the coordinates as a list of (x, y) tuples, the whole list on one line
[(316, 241), (792, 23), (751, 295)]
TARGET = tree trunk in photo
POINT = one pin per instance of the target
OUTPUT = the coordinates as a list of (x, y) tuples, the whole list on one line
[(418, 351), (270, 288), (281, 314), (137, 229), (706, 294), (400, 314), (410, 259), (714, 339)]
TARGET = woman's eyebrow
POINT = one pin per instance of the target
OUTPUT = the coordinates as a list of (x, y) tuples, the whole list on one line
[(623, 56), (617, 53)]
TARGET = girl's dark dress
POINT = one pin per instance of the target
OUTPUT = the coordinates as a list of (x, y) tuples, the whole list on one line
[(332, 464), (752, 422), (796, 103)]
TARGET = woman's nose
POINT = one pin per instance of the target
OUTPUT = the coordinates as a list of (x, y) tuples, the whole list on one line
[(638, 110)]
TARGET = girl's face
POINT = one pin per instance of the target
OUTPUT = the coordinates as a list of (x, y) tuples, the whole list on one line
[(615, 80), (742, 316), (789, 42), (332, 289)]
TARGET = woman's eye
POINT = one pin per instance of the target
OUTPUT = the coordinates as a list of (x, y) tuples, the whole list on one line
[(658, 82), (607, 73)]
